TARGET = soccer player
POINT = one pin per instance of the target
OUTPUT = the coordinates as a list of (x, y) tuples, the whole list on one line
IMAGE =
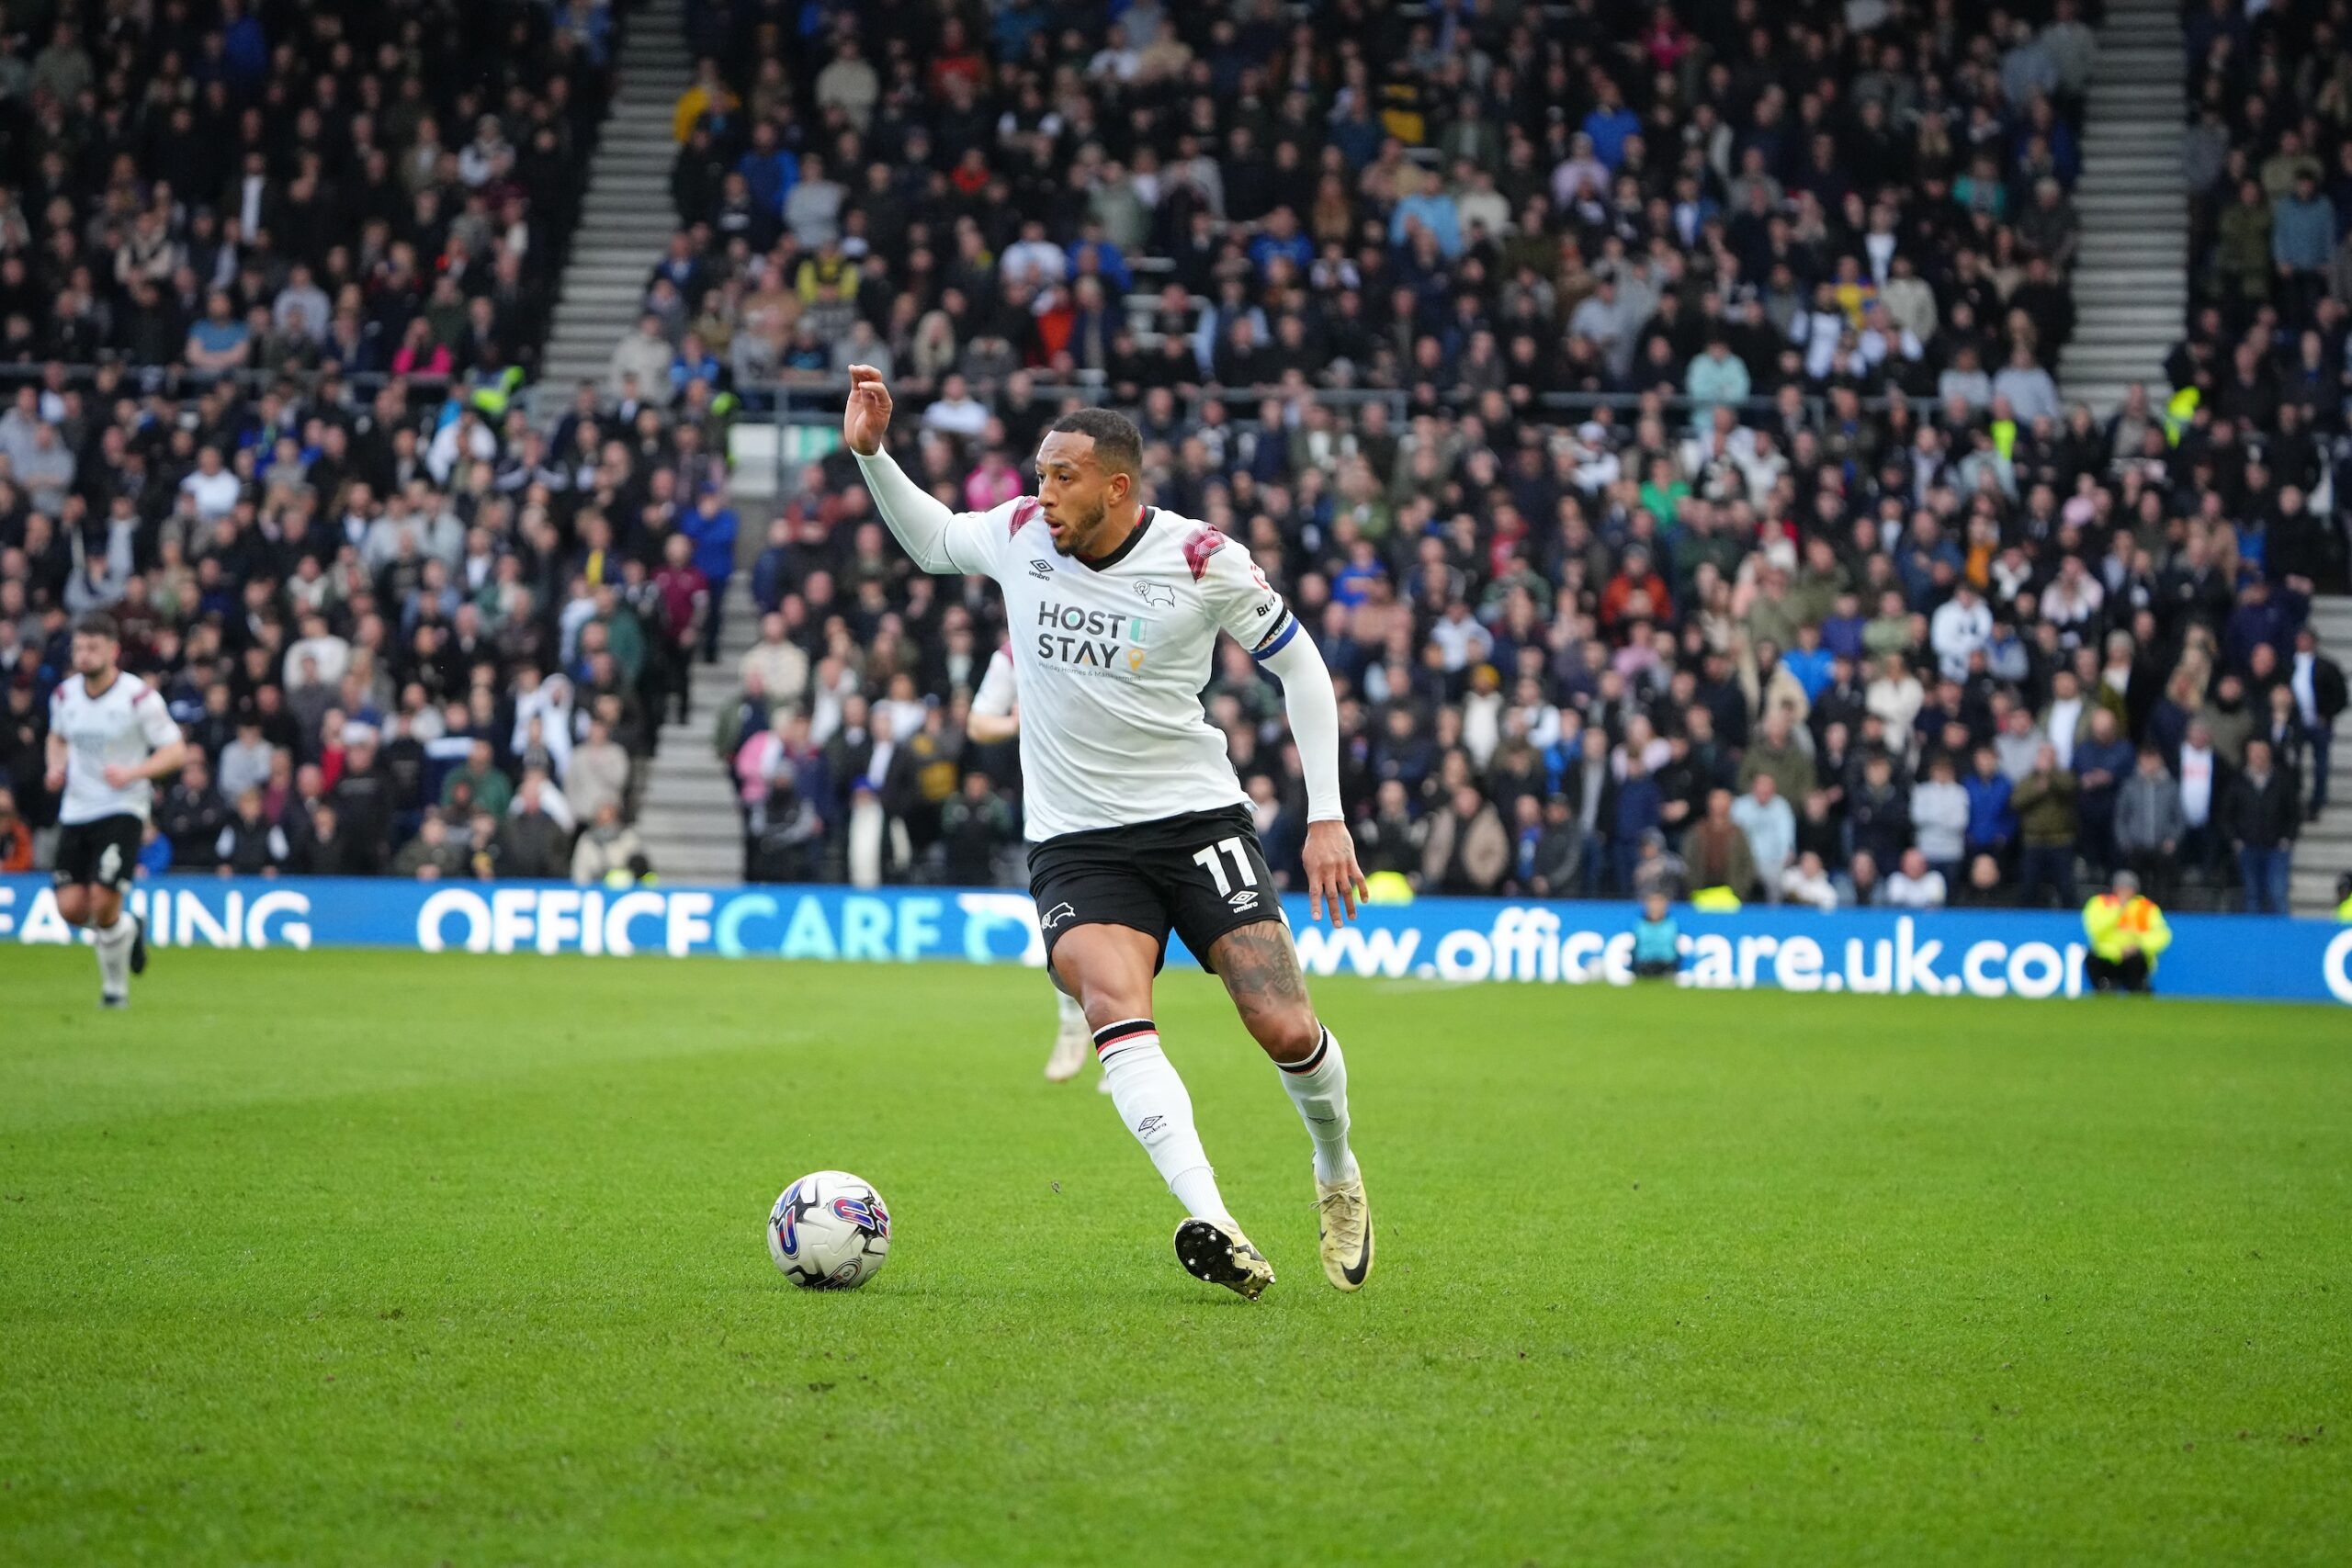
[(1137, 823), (110, 738), (996, 715)]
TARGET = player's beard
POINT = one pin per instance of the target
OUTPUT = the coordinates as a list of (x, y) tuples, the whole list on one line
[(1082, 533)]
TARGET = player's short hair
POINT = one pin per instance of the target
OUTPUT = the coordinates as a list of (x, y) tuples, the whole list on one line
[(98, 623), (1118, 445)]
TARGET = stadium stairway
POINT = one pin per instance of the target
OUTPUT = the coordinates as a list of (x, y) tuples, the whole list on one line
[(687, 810), (2131, 274), (626, 220), (2324, 853)]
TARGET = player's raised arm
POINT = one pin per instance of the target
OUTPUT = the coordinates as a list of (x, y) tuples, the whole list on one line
[(938, 540), (1248, 608)]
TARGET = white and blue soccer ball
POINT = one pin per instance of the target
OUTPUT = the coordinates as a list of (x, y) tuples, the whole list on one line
[(830, 1231)]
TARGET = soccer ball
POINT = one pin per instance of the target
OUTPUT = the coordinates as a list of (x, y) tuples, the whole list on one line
[(830, 1232)]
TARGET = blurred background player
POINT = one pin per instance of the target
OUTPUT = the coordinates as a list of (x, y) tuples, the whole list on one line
[(1138, 826), (110, 738), (996, 715)]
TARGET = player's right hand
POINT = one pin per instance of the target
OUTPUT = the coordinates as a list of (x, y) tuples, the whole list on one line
[(1334, 881), (868, 413)]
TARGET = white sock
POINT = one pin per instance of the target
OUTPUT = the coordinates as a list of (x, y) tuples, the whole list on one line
[(1318, 1086), (1152, 1101), (114, 956), (1073, 1015)]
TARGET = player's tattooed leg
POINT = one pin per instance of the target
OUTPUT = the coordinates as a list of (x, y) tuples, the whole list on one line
[(1260, 972)]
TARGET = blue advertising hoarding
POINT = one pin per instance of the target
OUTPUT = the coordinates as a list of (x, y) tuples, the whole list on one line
[(1948, 953)]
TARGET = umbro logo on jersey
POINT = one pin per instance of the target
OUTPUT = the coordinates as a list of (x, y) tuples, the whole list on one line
[(1058, 914), (1041, 570), (1245, 899), (1158, 594)]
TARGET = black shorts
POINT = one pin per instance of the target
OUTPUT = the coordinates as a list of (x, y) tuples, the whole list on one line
[(104, 854), (1201, 875)]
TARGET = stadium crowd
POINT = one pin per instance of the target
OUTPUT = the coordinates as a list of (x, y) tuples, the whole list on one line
[(1817, 591), (1649, 408), (269, 275)]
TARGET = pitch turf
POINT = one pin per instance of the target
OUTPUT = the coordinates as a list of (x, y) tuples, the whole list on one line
[(374, 1258)]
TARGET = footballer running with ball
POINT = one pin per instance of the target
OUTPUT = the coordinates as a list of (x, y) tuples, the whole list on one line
[(1137, 823)]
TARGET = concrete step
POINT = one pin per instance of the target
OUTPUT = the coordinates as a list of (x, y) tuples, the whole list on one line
[(624, 297), (632, 269), (708, 791), (2149, 275), (2114, 170), (620, 216), (2108, 332), (2113, 366), (2114, 281), (2109, 257), (2117, 317), (693, 867), (684, 825), (625, 194), (588, 331), (2101, 398), (2107, 363)]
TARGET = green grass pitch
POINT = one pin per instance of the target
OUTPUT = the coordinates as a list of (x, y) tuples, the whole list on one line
[(367, 1258)]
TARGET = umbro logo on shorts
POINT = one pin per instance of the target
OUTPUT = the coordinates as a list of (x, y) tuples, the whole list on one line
[(1245, 899)]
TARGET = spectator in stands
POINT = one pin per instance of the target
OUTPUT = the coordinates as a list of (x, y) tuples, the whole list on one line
[(2261, 819), (431, 856), (609, 849), (2048, 822), (1915, 885), (534, 842), (191, 816), (1468, 850), (2317, 683), (1715, 851), (250, 843), (16, 837)]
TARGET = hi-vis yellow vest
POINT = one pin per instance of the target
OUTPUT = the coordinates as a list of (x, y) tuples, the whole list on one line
[(2115, 926), (2180, 412)]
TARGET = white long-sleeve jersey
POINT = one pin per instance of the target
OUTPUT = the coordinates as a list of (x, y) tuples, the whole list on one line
[(1111, 654)]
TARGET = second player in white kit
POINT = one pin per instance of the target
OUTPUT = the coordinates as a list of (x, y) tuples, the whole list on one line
[(109, 739), (1137, 825), (995, 715)]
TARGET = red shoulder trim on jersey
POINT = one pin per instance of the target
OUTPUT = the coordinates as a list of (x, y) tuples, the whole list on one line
[(1199, 545), (1023, 510)]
